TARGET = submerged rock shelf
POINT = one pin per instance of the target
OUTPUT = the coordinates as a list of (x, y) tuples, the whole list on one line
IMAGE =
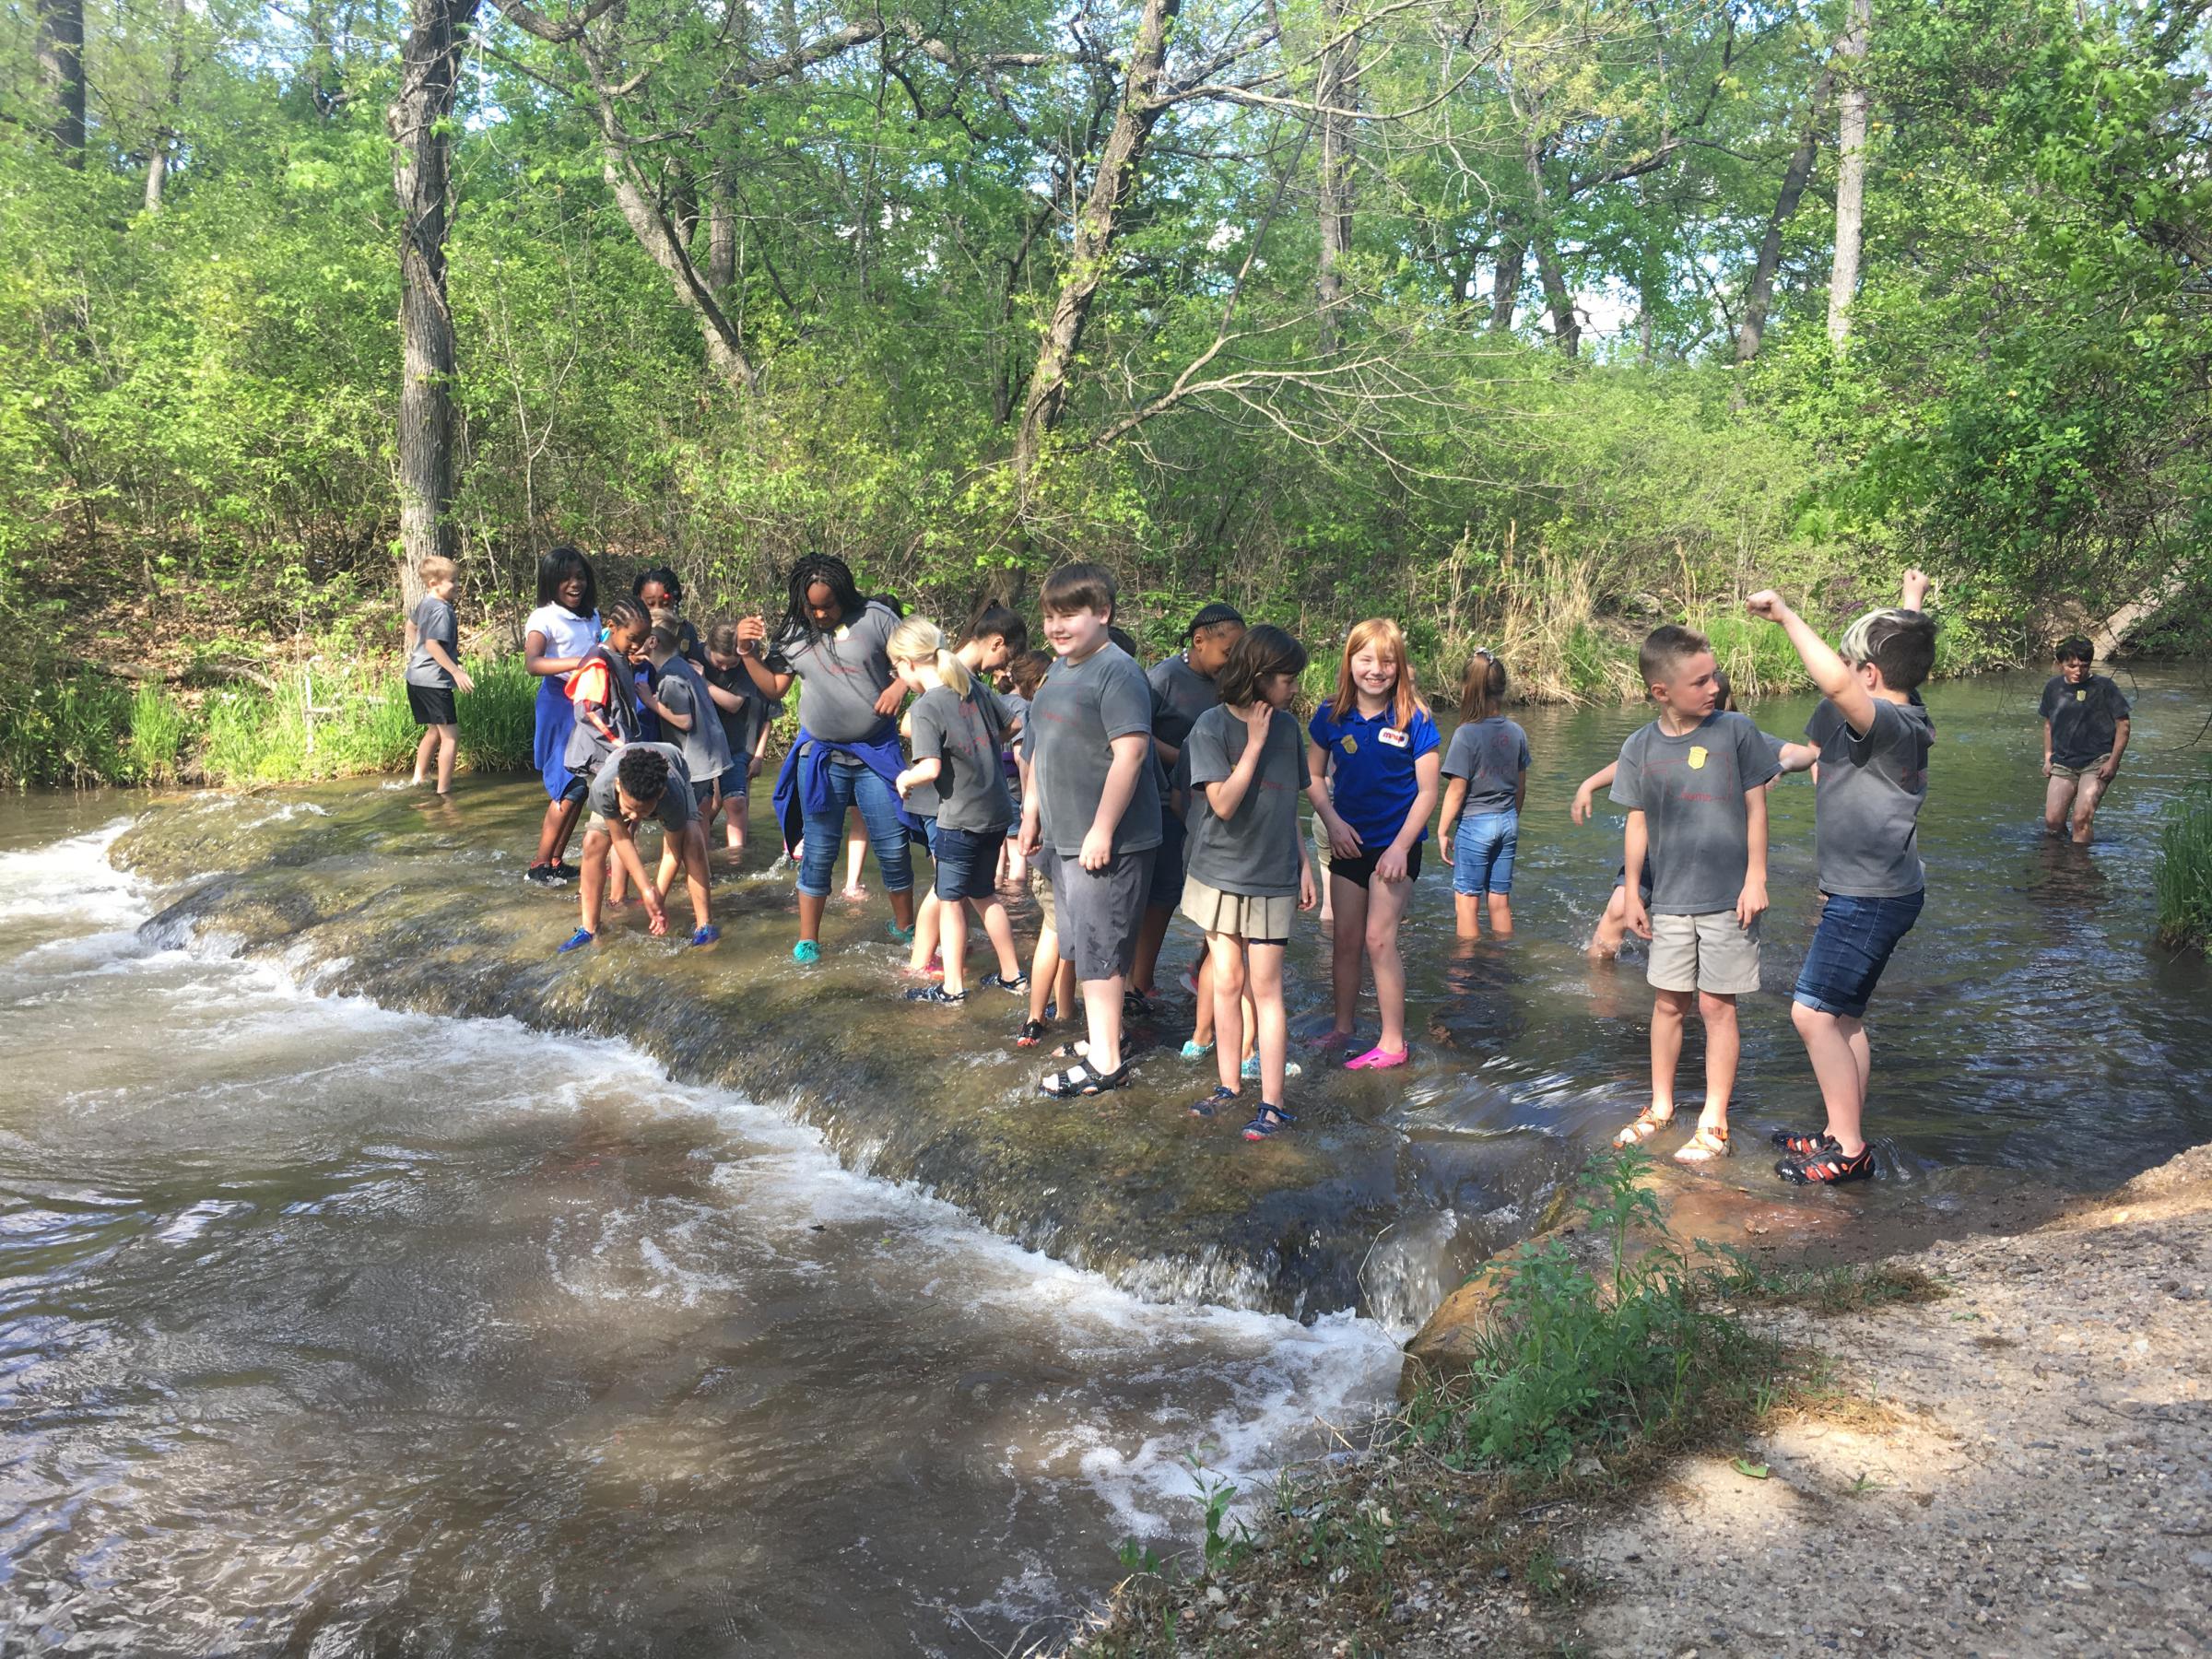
[(376, 893)]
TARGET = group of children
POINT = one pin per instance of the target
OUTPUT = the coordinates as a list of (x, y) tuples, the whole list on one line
[(1125, 797)]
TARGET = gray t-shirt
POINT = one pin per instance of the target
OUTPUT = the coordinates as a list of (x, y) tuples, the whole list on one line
[(684, 691), (1180, 694), (1073, 719), (1866, 808), (1690, 789), (1252, 854), (1491, 755), (676, 810), (960, 734), (841, 674), (433, 620)]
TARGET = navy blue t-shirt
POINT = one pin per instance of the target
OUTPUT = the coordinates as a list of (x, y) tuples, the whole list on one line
[(1373, 765)]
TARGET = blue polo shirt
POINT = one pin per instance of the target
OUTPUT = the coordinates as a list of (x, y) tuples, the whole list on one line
[(1375, 782)]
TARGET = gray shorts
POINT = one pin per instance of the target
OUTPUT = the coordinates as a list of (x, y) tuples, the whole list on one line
[(1712, 952), (1100, 911)]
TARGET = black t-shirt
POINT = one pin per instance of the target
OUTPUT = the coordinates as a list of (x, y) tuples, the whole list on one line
[(2084, 719)]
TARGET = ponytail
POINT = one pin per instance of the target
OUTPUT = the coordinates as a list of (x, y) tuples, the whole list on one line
[(918, 639), (1482, 687)]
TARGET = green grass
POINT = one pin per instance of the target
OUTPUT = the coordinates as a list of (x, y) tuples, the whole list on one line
[(2182, 882)]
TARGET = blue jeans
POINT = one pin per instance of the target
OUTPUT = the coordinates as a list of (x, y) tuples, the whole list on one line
[(850, 786), (1482, 853), (1850, 949)]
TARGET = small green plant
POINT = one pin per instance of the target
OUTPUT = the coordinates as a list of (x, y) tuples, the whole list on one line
[(1227, 1539), (1137, 1556), (2181, 881)]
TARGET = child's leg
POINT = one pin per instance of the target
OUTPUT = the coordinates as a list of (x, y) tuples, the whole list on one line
[(998, 927), (1266, 978), (949, 936), (886, 837), (592, 883), (423, 751), (693, 842), (1225, 958), (1466, 912), (929, 924), (1724, 1045), (1836, 1044), (1669, 1010), (1500, 879), (1501, 914), (1249, 1044), (1386, 905), (1152, 933), (1612, 927), (449, 756), (1202, 1032), (1102, 1020), (1064, 987), (2086, 798), (1044, 974), (560, 823), (2058, 798), (733, 822), (1345, 945), (856, 843)]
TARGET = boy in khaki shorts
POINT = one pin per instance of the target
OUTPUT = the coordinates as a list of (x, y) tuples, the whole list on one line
[(1694, 782)]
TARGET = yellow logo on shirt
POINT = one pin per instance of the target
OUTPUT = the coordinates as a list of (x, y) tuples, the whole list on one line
[(2082, 695), (1351, 744), (1697, 756)]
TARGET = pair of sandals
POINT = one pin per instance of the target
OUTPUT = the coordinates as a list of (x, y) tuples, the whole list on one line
[(1264, 1121), (1708, 1144)]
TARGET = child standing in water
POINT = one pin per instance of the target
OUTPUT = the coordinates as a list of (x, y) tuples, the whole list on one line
[(1694, 782), (434, 671), (1375, 739), (2085, 734), (1247, 860), (958, 787), (1480, 827), (745, 716), (688, 720), (1873, 739), (641, 780), (1025, 673), (1095, 808), (556, 637)]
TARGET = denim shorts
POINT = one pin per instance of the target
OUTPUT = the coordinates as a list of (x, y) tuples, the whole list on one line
[(1482, 853), (1850, 949), (967, 861)]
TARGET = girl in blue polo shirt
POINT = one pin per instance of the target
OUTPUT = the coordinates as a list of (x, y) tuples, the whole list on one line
[(1382, 750)]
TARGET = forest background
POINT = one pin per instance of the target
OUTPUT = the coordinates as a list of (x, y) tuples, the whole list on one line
[(1529, 321)]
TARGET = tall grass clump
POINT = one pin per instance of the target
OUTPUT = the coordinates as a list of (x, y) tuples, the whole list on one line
[(498, 719), (64, 732), (2182, 883), (160, 730)]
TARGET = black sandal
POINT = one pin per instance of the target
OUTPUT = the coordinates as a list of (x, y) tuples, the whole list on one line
[(1032, 1033), (1079, 1080), (1803, 1146), (1204, 1109), (1266, 1121), (1828, 1168)]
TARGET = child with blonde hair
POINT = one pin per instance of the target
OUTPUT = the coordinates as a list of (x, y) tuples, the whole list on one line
[(1375, 739), (957, 786), (434, 671)]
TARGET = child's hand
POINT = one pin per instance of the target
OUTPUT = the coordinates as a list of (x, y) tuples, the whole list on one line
[(1257, 719), (1767, 604), (1447, 837), (1308, 895), (1097, 848), (1391, 866), (1344, 840), (1639, 918), (2046, 766), (1916, 588), (1751, 903), (751, 632), (893, 695), (461, 680), (1579, 811), (903, 782), (2109, 770), (752, 768)]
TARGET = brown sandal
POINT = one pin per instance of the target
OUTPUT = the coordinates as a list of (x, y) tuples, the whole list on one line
[(1705, 1146), (1647, 1125)]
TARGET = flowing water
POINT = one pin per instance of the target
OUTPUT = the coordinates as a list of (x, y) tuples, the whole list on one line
[(336, 1329)]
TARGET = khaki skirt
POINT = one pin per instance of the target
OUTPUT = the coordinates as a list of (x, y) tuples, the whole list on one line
[(1247, 916)]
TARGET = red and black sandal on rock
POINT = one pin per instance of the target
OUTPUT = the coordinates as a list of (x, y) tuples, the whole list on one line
[(1803, 1146), (1827, 1167)]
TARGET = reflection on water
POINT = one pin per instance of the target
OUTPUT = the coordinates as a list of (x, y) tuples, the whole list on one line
[(339, 1330)]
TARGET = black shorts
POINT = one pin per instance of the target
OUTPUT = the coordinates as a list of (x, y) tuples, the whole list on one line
[(432, 705), (1166, 891), (1361, 870)]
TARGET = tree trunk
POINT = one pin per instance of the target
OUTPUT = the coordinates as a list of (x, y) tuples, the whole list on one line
[(165, 136), (1334, 86), (1851, 172), (421, 153), (1505, 281), (1566, 327), (1046, 401), (62, 71), (1759, 295), (721, 231)]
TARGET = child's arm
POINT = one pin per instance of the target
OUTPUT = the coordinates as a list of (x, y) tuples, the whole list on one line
[(1916, 591), (682, 723), (1798, 756), (1752, 902), (438, 655), (1391, 866), (535, 661), (1132, 754), (752, 638), (1447, 826), (2110, 769), (1521, 789), (1308, 891), (1636, 849), (1830, 672), (1600, 778), (410, 636), (2046, 749), (925, 770), (1344, 840)]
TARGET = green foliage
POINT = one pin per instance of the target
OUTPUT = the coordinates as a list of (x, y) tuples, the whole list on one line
[(1574, 1361), (2181, 881)]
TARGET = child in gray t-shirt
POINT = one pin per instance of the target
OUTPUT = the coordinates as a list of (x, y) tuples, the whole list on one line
[(1874, 736), (434, 671)]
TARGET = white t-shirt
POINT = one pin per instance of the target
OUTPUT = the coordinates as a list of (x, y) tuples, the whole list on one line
[(567, 634)]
